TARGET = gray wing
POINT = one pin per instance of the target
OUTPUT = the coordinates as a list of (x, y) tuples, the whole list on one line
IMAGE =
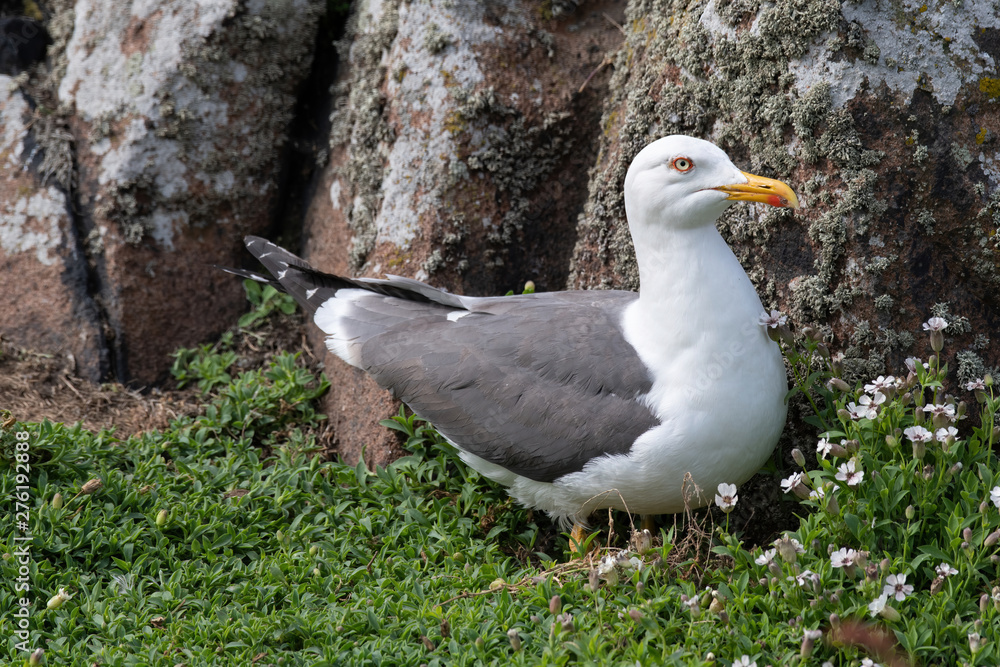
[(538, 384)]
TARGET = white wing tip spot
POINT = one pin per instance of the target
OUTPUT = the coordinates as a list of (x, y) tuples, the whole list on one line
[(456, 315)]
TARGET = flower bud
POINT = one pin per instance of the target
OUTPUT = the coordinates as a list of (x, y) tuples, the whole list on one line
[(640, 588), (891, 441), (839, 385), (988, 380), (774, 568), (932, 361), (36, 658), (967, 534), (961, 409), (445, 628), (992, 539), (716, 606), (984, 603), (823, 350), (91, 486), (57, 501), (975, 642), (529, 287), (936, 585), (786, 549), (798, 457), (884, 565), (852, 446), (555, 604), (937, 340), (635, 615), (313, 550), (642, 541), (429, 645), (910, 512), (889, 613), (567, 622), (919, 450), (809, 642), (480, 643), (832, 506), (515, 639), (161, 518), (928, 472), (58, 599), (844, 415), (834, 620)]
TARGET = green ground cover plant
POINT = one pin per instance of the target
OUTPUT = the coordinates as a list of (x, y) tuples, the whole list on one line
[(227, 540)]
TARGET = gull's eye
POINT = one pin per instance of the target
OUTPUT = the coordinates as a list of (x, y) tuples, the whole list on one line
[(682, 164)]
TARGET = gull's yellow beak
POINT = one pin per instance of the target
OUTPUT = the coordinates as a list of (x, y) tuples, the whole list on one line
[(763, 190)]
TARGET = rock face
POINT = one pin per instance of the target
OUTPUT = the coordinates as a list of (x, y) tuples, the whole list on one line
[(170, 120), (44, 300), (877, 115), (458, 154)]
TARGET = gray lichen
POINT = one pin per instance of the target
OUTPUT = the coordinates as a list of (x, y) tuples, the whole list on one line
[(436, 40), (358, 120)]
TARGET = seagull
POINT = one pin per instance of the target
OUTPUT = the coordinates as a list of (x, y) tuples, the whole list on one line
[(583, 400)]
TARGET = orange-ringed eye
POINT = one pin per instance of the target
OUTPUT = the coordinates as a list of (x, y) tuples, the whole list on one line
[(682, 164)]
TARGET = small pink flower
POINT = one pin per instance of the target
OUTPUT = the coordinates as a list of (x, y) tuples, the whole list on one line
[(843, 557), (945, 570), (896, 586), (942, 434), (847, 472), (935, 324), (774, 320), (978, 383), (918, 434), (881, 384)]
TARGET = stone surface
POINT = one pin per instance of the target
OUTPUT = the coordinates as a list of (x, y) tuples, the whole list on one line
[(878, 114), (459, 155), (179, 111), (44, 303)]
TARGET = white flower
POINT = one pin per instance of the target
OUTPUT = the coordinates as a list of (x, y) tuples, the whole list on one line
[(881, 384), (942, 433), (766, 558), (868, 662), (935, 324), (787, 485), (995, 496), (745, 662), (823, 447), (817, 494), (943, 410), (896, 586), (945, 570), (847, 472), (978, 383), (911, 364), (804, 578), (726, 499), (843, 557), (877, 605), (918, 434), (774, 320)]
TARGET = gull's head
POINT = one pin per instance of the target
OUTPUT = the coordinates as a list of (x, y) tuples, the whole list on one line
[(683, 182)]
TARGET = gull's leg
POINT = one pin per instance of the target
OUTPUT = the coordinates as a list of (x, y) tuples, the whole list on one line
[(577, 537), (648, 522)]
